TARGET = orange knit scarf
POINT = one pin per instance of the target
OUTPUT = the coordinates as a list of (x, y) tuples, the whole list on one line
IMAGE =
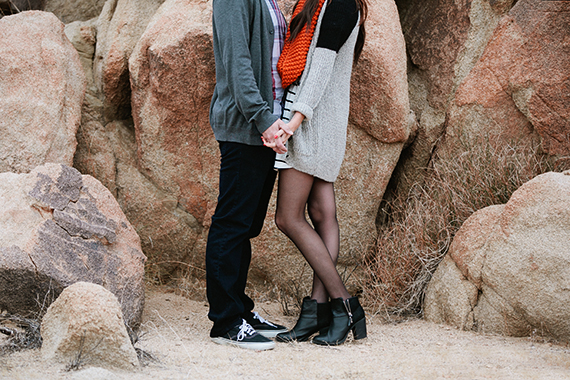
[(294, 55)]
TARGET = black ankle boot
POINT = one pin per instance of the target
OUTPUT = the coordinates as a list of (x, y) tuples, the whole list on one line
[(314, 317), (347, 316)]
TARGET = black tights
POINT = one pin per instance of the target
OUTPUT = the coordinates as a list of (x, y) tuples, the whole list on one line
[(319, 245)]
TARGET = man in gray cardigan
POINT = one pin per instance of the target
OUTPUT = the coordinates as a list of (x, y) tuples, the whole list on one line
[(241, 112)]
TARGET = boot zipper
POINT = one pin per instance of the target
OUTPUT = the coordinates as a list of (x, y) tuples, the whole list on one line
[(347, 307)]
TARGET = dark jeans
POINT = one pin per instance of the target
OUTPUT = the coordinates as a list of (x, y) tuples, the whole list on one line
[(246, 183)]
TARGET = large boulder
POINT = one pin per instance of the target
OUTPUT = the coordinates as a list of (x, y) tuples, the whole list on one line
[(508, 268), (42, 86), (58, 227), (84, 326), (379, 90), (485, 68), (520, 85), (172, 79), (435, 33), (119, 27), (444, 40)]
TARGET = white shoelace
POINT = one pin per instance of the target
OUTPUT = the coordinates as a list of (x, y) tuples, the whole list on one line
[(244, 330), (257, 316)]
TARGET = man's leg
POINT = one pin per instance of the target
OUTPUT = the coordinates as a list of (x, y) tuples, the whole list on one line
[(243, 181), (261, 325), (254, 231)]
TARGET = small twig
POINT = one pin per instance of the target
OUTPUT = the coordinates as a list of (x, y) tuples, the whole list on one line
[(82, 355), (14, 5), (7, 331)]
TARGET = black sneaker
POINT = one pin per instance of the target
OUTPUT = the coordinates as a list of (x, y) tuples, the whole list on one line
[(245, 336), (264, 327)]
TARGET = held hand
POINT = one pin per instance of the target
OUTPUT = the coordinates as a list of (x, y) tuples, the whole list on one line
[(282, 135), (284, 132), (272, 139)]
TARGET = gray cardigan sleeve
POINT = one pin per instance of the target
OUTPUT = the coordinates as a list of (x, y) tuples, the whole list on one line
[(231, 18), (339, 19), (315, 82)]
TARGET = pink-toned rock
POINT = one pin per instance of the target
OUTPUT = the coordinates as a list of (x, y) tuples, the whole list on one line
[(42, 86), (172, 78), (520, 86), (167, 231), (86, 320), (58, 227), (450, 297), (119, 27), (379, 90), (436, 32), (467, 248), (508, 268), (444, 39)]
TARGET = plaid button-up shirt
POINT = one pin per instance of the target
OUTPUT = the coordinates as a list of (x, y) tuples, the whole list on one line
[(280, 27)]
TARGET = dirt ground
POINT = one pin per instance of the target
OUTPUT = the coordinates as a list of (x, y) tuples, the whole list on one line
[(175, 330)]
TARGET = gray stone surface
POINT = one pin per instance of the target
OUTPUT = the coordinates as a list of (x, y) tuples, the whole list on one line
[(58, 227)]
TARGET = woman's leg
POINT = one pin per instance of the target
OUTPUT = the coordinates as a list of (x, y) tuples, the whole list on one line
[(322, 211), (294, 191)]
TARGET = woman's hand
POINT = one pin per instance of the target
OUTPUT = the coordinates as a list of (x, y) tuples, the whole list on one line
[(271, 138), (286, 130)]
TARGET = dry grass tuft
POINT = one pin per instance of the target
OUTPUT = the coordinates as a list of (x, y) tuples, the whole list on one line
[(23, 333), (420, 225)]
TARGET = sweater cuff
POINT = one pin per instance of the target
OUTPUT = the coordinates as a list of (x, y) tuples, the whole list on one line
[(265, 120), (303, 108)]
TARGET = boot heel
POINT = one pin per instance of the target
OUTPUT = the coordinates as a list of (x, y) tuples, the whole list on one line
[(359, 329)]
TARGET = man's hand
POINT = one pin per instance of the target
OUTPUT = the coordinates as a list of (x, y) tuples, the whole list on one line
[(271, 137), (285, 131)]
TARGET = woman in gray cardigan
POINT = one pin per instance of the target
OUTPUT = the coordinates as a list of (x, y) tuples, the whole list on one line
[(316, 108)]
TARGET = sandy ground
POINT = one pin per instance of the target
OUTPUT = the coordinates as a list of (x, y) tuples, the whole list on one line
[(175, 330)]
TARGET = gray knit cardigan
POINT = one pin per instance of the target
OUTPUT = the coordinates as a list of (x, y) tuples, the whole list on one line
[(323, 96), (242, 103)]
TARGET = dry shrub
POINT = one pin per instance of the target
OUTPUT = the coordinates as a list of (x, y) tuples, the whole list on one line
[(10, 7), (421, 224), (22, 333)]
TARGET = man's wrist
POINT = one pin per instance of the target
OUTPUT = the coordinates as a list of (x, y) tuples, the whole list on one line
[(265, 121)]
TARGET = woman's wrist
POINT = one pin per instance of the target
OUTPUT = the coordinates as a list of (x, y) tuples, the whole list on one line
[(296, 121)]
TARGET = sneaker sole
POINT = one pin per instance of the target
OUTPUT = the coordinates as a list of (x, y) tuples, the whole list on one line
[(271, 333), (258, 346)]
